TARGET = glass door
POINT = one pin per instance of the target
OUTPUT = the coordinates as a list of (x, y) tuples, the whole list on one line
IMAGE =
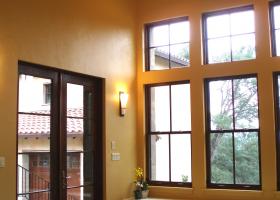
[(78, 115), (36, 134), (60, 128)]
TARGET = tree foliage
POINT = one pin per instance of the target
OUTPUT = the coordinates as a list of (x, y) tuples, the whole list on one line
[(238, 109)]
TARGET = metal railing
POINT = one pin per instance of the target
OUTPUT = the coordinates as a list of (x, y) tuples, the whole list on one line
[(33, 186)]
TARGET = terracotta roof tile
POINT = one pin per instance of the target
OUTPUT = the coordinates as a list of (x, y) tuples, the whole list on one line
[(36, 125)]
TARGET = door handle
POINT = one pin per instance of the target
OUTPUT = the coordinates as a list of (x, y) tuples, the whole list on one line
[(64, 179)]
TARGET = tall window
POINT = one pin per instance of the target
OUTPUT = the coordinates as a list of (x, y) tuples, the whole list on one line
[(229, 35), (275, 27), (277, 123), (169, 134), (167, 44), (232, 131)]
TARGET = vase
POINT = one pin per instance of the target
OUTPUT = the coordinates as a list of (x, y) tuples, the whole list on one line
[(137, 194), (145, 193)]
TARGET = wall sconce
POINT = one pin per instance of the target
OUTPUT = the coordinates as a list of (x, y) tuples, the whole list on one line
[(123, 102)]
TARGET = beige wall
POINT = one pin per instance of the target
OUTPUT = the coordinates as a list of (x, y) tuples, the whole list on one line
[(94, 37), (264, 65)]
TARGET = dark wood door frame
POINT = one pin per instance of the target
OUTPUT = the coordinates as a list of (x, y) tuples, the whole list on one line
[(57, 141)]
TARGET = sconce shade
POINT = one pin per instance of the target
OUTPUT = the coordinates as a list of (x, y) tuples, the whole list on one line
[(123, 102)]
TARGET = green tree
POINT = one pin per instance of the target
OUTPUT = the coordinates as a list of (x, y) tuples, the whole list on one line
[(245, 115)]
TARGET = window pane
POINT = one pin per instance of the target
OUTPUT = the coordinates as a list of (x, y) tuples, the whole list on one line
[(75, 144), (181, 158), (277, 16), (36, 126), (247, 158), (159, 35), (221, 105), (181, 109), (159, 157), (245, 103), (74, 169), (242, 22), (75, 100), (277, 33), (32, 94), (40, 195), (179, 55), (219, 50), (179, 32), (159, 58), (218, 26), (243, 47), (221, 158), (160, 108), (33, 164), (33, 154)]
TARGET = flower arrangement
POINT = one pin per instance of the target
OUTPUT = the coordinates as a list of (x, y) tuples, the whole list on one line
[(141, 186), (140, 183)]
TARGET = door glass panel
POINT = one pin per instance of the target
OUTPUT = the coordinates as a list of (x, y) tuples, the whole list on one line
[(75, 100), (34, 94), (80, 193), (34, 134), (79, 142)]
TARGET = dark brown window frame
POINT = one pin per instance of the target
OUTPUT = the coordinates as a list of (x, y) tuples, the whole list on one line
[(208, 132), (277, 123), (272, 4), (57, 189), (147, 38), (149, 133), (204, 30)]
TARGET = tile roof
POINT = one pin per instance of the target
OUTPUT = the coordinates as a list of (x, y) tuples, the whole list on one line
[(37, 123), (173, 57)]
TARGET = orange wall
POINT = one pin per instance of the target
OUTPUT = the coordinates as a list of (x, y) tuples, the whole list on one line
[(149, 11), (94, 37)]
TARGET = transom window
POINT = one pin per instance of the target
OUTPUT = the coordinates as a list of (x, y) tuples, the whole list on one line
[(229, 35), (232, 131), (167, 44), (275, 27), (169, 134)]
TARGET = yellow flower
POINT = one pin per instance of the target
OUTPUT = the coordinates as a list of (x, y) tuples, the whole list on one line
[(139, 172)]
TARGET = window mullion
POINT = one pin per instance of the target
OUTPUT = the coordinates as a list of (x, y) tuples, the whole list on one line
[(170, 128)]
